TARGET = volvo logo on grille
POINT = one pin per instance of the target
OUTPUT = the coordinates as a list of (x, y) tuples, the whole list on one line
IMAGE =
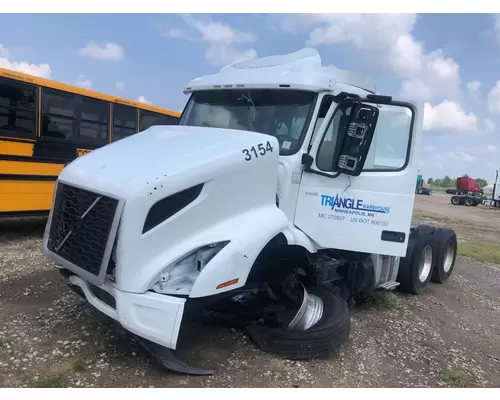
[(78, 224)]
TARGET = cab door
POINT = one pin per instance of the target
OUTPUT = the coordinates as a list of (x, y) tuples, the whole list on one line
[(365, 207)]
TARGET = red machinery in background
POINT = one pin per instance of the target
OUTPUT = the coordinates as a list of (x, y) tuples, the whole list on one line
[(466, 185), (467, 192)]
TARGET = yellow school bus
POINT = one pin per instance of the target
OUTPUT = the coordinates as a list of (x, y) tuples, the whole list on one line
[(44, 125)]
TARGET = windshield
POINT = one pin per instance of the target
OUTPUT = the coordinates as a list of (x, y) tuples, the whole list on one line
[(280, 113)]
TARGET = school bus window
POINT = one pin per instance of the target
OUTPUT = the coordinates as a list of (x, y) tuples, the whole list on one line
[(149, 118), (17, 108), (94, 121), (95, 110), (124, 121), (93, 133), (58, 114)]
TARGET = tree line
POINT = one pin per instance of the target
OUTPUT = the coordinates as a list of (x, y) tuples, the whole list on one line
[(448, 182)]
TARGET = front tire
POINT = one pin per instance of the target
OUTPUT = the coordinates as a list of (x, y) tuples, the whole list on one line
[(322, 339)]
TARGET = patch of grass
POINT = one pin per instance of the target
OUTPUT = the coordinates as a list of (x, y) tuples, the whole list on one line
[(26, 377), (6, 340), (476, 247), (480, 251), (431, 218), (54, 381), (78, 365), (30, 245), (458, 378), (385, 299)]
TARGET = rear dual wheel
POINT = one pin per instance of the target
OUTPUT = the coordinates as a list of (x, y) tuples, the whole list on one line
[(445, 243), (430, 256), (471, 201)]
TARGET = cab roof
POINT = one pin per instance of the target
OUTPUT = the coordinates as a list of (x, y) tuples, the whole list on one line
[(301, 70)]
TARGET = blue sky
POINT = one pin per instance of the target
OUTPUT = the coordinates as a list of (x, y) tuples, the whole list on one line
[(448, 61)]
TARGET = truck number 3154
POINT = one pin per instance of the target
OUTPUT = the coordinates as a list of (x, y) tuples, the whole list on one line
[(254, 151)]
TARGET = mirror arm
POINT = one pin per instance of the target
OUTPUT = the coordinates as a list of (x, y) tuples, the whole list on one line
[(345, 95), (379, 98), (307, 161)]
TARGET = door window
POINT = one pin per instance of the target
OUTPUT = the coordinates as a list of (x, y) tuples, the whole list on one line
[(389, 149)]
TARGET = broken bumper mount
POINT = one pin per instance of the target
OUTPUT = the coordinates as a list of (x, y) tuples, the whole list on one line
[(167, 359), (145, 316)]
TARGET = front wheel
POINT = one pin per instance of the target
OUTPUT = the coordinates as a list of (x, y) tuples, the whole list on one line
[(320, 340)]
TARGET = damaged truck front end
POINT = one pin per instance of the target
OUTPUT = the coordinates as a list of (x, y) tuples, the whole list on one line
[(172, 230)]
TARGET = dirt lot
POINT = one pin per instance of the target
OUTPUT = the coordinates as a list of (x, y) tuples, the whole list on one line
[(449, 336)]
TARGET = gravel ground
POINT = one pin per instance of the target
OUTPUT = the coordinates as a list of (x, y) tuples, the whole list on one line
[(449, 336)]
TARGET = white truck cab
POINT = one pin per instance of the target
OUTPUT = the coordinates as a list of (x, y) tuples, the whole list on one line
[(281, 172)]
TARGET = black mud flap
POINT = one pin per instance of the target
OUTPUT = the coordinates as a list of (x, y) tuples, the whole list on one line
[(167, 359)]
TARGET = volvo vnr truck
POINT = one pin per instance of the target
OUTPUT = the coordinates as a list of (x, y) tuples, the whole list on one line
[(286, 191)]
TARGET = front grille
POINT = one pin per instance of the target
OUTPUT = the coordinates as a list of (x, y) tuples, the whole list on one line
[(80, 226)]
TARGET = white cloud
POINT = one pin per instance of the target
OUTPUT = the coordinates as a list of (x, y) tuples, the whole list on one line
[(174, 33), (386, 40), (460, 156), (474, 86), (84, 83), (221, 40), (448, 116), (41, 70), (108, 51), (120, 85), (4, 53), (439, 77), (494, 98), (142, 99), (491, 148)]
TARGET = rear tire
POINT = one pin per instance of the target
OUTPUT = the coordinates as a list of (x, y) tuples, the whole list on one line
[(455, 200), (444, 242), (322, 339), (415, 270), (469, 201)]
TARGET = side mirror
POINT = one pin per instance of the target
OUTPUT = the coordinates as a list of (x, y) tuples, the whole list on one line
[(354, 137)]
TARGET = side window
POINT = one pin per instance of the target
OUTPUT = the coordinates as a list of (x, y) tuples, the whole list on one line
[(18, 108), (389, 147), (149, 118), (58, 114), (327, 146), (124, 121), (391, 140), (94, 121)]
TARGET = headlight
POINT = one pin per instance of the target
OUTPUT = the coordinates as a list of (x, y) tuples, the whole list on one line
[(179, 277)]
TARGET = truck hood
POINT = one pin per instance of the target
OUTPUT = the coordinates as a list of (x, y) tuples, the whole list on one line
[(159, 153)]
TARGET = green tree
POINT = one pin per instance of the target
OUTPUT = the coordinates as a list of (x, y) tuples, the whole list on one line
[(481, 183), (437, 182), (430, 181), (446, 182)]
